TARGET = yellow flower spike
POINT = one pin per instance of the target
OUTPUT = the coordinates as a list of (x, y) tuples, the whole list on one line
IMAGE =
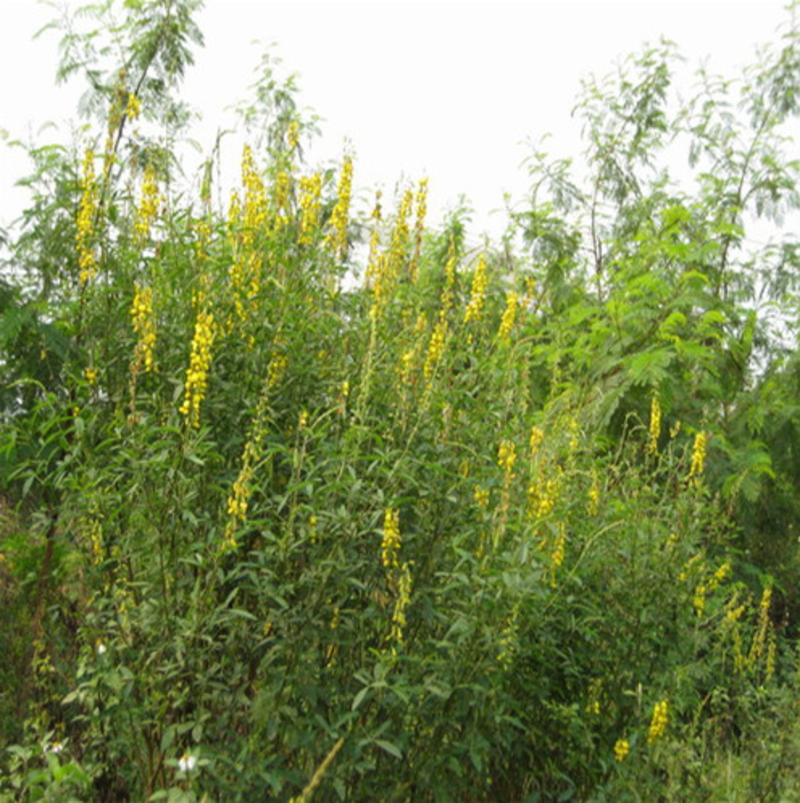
[(391, 542), (199, 364), (145, 328), (255, 198), (435, 349), (698, 457), (276, 370), (422, 205), (509, 317), (543, 493), (234, 212), (449, 281), (480, 283), (506, 457), (421, 201), (239, 498), (282, 193), (148, 209), (760, 639), (508, 640), (406, 369), (537, 436), (87, 212), (374, 242), (699, 599), (293, 135), (557, 555), (310, 208), (481, 497), (134, 107), (574, 431), (96, 538), (400, 233), (655, 426), (723, 572), (385, 268), (772, 650), (658, 723), (689, 567), (595, 693), (402, 600), (337, 239), (621, 750)]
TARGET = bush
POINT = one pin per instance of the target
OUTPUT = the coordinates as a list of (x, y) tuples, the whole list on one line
[(295, 501)]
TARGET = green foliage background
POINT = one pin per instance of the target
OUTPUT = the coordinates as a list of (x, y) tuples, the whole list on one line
[(295, 503)]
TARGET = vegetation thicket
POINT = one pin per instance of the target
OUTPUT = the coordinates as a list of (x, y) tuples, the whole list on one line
[(300, 502)]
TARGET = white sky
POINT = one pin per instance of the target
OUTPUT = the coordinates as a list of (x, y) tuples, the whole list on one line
[(451, 91)]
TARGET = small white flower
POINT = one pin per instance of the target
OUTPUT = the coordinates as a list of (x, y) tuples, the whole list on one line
[(187, 762), (55, 747), (101, 648)]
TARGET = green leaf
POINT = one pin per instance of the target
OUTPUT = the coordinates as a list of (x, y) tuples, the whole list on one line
[(390, 748)]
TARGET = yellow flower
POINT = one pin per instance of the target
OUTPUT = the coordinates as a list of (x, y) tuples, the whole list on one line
[(698, 456), (419, 226), (507, 456), (722, 572), (145, 328), (148, 208), (337, 236), (508, 640), (255, 199), (390, 545), (87, 211), (537, 436), (509, 316), (293, 135), (239, 497), (621, 750), (134, 108), (282, 192), (276, 370), (310, 207), (401, 602), (478, 293), (655, 426), (764, 627), (658, 723), (385, 268), (96, 538), (199, 364), (699, 599), (557, 556), (435, 349), (374, 242), (543, 495), (481, 497)]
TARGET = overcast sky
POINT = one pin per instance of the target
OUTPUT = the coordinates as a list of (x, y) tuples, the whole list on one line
[(451, 91)]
